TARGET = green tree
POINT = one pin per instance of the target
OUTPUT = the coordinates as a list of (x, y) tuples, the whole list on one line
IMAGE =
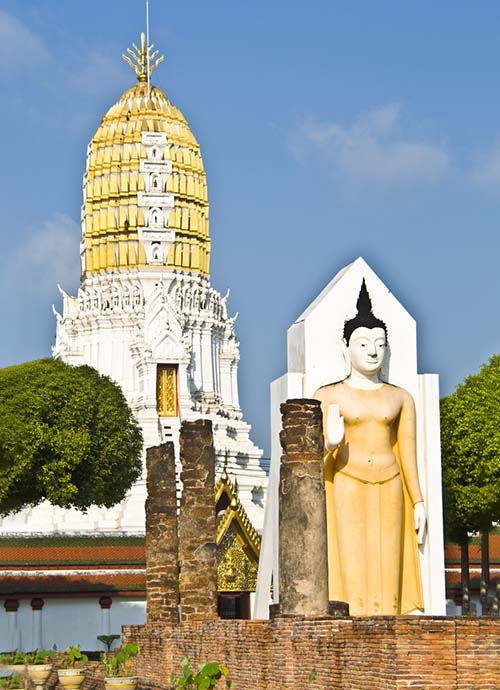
[(66, 435), (470, 441)]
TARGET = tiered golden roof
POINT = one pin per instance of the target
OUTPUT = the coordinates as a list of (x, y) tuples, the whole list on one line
[(112, 181)]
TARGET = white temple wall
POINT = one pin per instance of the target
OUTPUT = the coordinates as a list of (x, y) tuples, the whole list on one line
[(429, 469), (225, 380), (216, 361), (184, 387), (71, 621), (197, 370), (236, 397), (206, 360)]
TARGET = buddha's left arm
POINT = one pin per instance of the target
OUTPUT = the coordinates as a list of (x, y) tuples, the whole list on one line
[(407, 443)]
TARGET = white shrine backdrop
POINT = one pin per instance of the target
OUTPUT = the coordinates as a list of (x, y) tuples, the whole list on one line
[(315, 358)]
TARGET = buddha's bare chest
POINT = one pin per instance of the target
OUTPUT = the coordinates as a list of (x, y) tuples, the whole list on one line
[(369, 408)]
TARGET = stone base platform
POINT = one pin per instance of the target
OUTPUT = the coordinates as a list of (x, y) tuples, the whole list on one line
[(377, 653)]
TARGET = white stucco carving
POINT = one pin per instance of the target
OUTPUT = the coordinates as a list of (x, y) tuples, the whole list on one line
[(124, 325)]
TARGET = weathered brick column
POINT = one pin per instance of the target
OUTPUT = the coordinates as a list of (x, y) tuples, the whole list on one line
[(303, 561), (162, 568), (197, 549)]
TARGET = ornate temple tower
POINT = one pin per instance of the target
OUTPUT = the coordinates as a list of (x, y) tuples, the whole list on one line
[(145, 313)]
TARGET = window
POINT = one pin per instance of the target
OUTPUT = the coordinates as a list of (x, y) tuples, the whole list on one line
[(166, 390)]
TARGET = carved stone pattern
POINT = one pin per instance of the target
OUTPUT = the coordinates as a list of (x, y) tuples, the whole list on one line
[(111, 297), (162, 327), (199, 300)]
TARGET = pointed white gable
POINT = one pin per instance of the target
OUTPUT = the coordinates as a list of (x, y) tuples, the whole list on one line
[(315, 339)]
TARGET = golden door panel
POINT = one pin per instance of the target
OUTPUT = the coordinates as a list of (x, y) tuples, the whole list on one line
[(166, 390)]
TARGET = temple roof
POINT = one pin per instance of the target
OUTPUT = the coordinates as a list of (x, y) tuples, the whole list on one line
[(33, 566), (226, 499)]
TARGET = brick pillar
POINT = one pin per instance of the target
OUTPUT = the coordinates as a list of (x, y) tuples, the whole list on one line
[(303, 560), (197, 549), (162, 567)]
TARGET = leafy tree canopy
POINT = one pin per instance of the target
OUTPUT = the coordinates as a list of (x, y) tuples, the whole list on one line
[(66, 435), (470, 439)]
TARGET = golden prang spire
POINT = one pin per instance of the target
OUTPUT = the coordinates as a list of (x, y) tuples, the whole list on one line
[(119, 180), (141, 58)]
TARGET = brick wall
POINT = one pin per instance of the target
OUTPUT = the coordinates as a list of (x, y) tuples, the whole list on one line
[(380, 653)]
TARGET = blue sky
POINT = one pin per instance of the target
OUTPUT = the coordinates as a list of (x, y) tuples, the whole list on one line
[(329, 130)]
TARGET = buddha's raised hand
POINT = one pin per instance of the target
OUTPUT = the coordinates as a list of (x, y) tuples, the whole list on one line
[(334, 432)]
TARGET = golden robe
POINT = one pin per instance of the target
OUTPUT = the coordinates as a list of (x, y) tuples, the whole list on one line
[(373, 559)]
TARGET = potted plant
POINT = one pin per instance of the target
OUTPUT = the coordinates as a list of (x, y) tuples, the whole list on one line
[(7, 659), (12, 682), (73, 673), (39, 665), (13, 661), (13, 668), (19, 669), (118, 672)]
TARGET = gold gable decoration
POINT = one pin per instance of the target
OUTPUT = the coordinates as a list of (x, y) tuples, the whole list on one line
[(238, 543)]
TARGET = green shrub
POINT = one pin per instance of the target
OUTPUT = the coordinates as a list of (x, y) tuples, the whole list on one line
[(40, 657), (119, 665), (207, 677), (73, 657)]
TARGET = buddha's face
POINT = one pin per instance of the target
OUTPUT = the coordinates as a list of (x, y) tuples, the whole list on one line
[(366, 350)]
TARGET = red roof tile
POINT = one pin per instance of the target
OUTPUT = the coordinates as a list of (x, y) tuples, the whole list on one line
[(34, 555), (30, 583)]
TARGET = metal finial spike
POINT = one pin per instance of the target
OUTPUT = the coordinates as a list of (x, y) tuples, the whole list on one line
[(148, 57), (142, 59)]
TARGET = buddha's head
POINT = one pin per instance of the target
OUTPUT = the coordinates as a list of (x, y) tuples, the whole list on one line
[(365, 337)]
